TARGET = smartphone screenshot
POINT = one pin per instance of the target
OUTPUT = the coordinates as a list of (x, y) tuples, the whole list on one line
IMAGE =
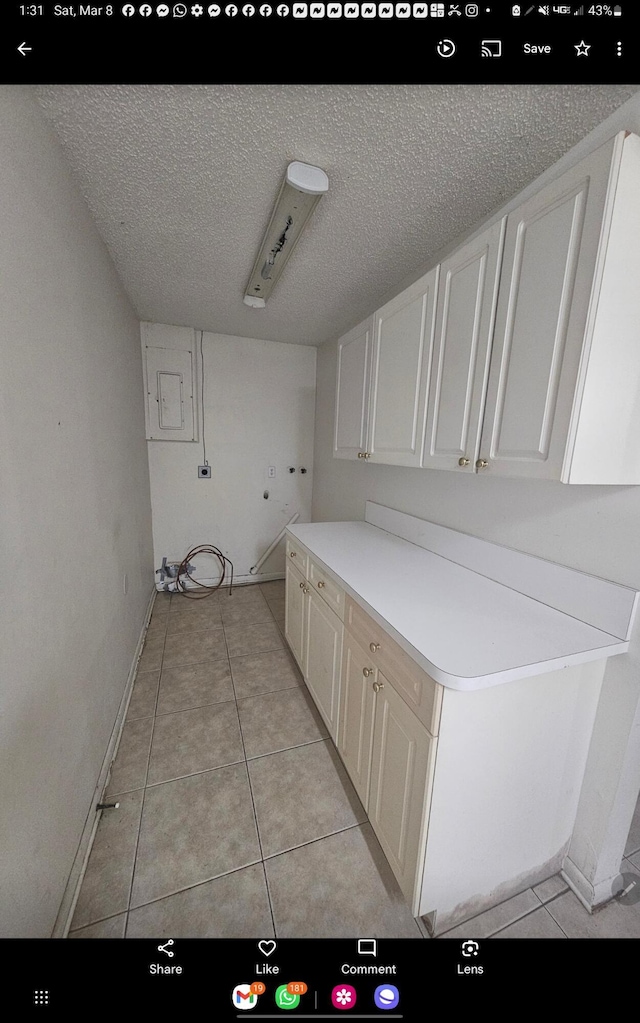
[(319, 386)]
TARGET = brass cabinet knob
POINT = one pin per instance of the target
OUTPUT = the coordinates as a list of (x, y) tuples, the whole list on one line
[(377, 686), (320, 584), (305, 589), (463, 461), (292, 554), (481, 463), (367, 671), (302, 586), (360, 454), (367, 454), (373, 647)]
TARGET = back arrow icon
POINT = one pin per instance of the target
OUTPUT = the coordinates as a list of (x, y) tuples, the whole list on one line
[(23, 49)]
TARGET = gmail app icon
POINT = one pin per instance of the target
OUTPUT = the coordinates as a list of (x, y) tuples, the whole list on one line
[(243, 997)]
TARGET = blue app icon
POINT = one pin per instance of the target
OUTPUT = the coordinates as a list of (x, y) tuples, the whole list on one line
[(386, 996)]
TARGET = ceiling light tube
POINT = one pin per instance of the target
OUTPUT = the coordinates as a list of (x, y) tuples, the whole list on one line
[(300, 193)]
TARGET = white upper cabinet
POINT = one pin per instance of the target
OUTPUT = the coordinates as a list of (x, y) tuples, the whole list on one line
[(552, 251), (533, 366), (383, 378), (352, 392), (464, 325), (402, 348)]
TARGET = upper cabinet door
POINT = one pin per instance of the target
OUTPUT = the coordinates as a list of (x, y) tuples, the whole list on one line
[(464, 326), (352, 392), (551, 249), (402, 348)]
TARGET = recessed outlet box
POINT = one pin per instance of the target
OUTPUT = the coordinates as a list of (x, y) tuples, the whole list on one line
[(204, 472)]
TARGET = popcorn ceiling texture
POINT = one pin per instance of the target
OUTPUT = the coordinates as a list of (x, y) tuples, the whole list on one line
[(181, 181)]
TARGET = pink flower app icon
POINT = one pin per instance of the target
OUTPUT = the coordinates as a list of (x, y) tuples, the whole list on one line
[(343, 996)]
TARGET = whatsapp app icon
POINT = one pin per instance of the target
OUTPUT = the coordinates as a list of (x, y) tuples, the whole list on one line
[(285, 1000)]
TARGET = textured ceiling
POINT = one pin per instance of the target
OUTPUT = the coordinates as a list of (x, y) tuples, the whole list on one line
[(181, 181)]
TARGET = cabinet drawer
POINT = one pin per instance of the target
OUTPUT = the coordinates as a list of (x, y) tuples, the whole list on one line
[(418, 689), (297, 554), (321, 583)]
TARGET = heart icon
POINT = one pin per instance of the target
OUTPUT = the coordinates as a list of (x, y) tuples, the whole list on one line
[(267, 947)]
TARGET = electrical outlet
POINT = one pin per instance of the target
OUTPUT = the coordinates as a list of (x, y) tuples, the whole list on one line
[(204, 472)]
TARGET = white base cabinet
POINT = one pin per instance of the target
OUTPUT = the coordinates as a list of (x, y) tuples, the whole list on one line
[(323, 655), (357, 703), (389, 756), (402, 757), (314, 632), (472, 795)]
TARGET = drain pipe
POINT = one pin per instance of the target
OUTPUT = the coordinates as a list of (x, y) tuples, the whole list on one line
[(272, 547)]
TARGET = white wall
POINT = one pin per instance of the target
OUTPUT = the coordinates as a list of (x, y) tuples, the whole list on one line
[(594, 529), (74, 514), (259, 399)]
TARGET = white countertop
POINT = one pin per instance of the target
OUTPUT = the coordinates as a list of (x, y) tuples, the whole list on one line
[(467, 631)]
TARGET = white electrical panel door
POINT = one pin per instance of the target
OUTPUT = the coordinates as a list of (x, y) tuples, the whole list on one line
[(170, 394)]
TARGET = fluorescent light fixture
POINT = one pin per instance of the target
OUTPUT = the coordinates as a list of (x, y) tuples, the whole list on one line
[(300, 193)]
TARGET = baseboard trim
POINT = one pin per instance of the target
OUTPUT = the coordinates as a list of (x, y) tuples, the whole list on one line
[(591, 896), (238, 580), (76, 875)]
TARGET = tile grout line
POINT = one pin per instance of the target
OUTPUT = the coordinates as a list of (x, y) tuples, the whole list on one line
[(555, 899), (529, 912), (321, 838), (255, 814), (198, 884), (253, 798), (253, 802), (144, 789)]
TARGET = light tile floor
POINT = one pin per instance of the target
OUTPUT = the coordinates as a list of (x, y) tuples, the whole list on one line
[(232, 797)]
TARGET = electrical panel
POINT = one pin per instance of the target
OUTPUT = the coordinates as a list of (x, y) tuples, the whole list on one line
[(170, 382)]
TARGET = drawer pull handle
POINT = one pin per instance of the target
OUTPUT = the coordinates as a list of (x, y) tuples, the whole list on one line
[(292, 554), (374, 647), (377, 686), (320, 584), (367, 671)]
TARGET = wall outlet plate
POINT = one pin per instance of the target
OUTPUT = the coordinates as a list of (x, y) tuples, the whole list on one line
[(204, 472)]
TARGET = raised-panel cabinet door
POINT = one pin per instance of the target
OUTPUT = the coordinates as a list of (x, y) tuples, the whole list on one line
[(294, 620), (323, 657), (401, 761), (402, 346), (467, 295), (550, 254), (357, 699), (352, 392)]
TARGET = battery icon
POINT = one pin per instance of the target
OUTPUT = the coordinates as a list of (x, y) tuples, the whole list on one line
[(617, 11)]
